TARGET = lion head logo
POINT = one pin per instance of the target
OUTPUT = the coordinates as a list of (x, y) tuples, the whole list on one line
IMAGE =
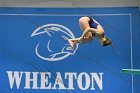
[(53, 45)]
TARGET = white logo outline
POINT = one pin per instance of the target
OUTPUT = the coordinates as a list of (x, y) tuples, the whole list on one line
[(52, 29)]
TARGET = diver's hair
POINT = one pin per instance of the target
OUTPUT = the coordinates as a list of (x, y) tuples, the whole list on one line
[(106, 41)]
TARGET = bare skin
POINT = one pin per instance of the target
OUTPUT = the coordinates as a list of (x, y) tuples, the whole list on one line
[(87, 32)]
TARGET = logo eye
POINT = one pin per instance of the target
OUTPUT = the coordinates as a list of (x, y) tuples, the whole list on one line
[(65, 38)]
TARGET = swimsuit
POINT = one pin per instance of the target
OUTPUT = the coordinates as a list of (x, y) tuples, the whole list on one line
[(93, 24)]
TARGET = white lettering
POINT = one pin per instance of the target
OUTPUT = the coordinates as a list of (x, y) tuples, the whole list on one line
[(44, 80), (59, 82), (28, 80), (14, 78), (70, 79), (80, 80), (98, 80)]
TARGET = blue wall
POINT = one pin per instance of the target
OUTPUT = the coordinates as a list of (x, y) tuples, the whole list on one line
[(17, 47)]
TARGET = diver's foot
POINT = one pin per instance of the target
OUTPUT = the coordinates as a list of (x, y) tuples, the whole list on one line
[(71, 43)]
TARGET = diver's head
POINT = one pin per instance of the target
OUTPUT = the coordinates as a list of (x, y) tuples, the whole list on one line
[(105, 41)]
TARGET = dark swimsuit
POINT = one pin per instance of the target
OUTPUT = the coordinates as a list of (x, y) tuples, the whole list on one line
[(93, 24)]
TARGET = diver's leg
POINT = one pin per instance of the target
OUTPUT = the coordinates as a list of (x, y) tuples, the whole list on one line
[(79, 40), (84, 25)]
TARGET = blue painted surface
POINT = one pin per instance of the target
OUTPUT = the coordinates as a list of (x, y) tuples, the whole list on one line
[(120, 24)]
